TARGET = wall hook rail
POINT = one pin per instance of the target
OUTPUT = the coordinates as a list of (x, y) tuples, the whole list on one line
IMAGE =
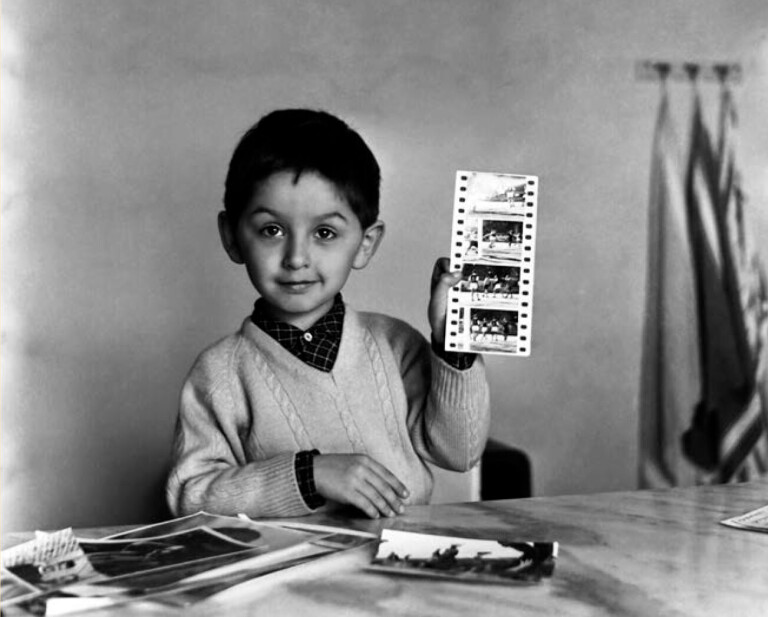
[(655, 70)]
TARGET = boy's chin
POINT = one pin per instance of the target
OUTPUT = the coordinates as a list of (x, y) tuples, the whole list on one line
[(301, 305), (297, 309)]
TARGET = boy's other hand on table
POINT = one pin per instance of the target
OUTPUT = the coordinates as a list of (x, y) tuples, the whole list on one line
[(359, 480)]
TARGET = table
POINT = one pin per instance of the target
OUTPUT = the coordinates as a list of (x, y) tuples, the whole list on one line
[(656, 553)]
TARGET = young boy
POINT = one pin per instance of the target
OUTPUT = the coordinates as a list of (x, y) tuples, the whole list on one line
[(311, 402)]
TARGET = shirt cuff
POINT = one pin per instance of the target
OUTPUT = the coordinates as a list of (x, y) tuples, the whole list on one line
[(458, 360), (305, 478)]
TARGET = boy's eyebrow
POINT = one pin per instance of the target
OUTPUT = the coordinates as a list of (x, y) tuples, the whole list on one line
[(263, 210), (335, 214), (319, 217)]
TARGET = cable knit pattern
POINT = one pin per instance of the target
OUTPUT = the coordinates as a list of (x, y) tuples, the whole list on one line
[(249, 405), (284, 403), (383, 390), (350, 427)]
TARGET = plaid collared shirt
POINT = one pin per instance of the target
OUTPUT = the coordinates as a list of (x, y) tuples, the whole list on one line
[(318, 346), (304, 468)]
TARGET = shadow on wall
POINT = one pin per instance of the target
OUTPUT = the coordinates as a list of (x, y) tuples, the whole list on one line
[(156, 505), (140, 500)]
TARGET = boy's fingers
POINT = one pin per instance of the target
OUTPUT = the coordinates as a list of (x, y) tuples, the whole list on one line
[(365, 484), (361, 501), (441, 274), (441, 266), (369, 500), (376, 500), (391, 479), (392, 502)]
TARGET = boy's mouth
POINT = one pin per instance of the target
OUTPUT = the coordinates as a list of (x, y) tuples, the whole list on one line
[(296, 286)]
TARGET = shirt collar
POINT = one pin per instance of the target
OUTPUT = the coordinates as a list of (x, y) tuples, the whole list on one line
[(317, 346)]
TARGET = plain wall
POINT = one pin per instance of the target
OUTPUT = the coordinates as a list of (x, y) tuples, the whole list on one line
[(118, 120)]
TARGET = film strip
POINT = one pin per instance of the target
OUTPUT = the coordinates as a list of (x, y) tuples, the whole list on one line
[(493, 245)]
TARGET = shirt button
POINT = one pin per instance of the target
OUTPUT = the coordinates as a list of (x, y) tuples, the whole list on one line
[(308, 337)]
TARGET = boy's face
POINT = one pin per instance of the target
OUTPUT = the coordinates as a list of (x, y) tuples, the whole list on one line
[(298, 241)]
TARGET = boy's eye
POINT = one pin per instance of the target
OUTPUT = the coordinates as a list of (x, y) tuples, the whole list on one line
[(326, 233), (271, 231)]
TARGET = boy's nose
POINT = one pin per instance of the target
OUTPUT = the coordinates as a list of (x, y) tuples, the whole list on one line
[(296, 255)]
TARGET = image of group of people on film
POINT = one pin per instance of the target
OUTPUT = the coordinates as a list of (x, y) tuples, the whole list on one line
[(486, 282), (489, 329)]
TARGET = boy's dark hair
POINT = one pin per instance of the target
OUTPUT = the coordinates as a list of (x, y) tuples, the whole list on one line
[(302, 140)]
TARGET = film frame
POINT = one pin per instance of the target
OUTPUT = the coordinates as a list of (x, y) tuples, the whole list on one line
[(493, 244)]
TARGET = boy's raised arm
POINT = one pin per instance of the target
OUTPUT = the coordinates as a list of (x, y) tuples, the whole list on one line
[(448, 396)]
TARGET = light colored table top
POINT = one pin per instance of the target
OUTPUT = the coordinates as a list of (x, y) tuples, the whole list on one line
[(631, 553)]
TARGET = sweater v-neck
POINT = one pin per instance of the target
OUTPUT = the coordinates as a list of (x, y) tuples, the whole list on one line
[(349, 344)]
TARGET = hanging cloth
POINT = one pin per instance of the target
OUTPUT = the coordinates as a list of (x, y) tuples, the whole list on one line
[(670, 381)]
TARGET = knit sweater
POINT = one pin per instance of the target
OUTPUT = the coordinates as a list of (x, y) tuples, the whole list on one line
[(249, 405)]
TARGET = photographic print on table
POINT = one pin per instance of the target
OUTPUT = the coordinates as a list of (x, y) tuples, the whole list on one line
[(165, 559), (14, 589), (175, 562), (489, 560), (269, 537), (493, 246)]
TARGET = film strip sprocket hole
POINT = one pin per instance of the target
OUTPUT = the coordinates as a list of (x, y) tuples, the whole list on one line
[(493, 244)]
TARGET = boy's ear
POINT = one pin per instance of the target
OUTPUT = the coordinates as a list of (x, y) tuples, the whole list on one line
[(229, 238), (371, 239)]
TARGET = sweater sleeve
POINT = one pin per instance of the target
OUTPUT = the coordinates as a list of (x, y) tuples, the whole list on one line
[(448, 408), (210, 470)]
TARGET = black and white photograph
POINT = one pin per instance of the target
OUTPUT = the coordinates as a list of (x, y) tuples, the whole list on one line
[(177, 556), (464, 559), (15, 589), (254, 534), (501, 240), (488, 193), (490, 283), (484, 269), (493, 330), (177, 552), (181, 560)]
